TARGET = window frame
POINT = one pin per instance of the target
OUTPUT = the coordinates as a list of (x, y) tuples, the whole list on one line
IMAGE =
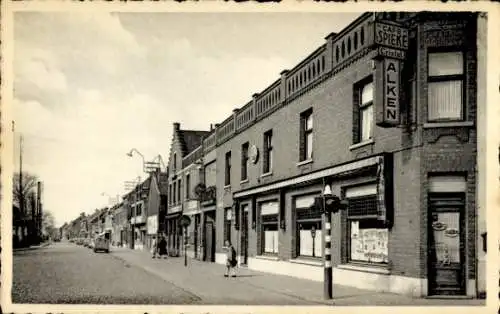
[(305, 131), (179, 190), (244, 161), (227, 169), (448, 78), (267, 166), (362, 106)]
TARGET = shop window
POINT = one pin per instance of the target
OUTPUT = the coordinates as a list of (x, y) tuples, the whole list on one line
[(268, 152), (227, 225), (244, 161), (368, 241), (269, 228), (445, 86), (309, 235), (306, 135), (367, 237), (227, 180)]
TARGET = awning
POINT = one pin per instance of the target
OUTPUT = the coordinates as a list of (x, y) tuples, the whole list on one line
[(173, 215)]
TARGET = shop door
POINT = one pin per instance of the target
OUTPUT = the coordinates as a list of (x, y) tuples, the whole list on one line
[(244, 237), (209, 242), (446, 246)]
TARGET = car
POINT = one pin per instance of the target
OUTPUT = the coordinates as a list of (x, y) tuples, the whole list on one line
[(102, 243), (86, 242)]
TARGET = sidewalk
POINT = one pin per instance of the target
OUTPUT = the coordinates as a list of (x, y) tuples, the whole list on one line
[(32, 247), (206, 280)]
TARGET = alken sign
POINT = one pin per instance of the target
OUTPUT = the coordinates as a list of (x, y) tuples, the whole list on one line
[(391, 91)]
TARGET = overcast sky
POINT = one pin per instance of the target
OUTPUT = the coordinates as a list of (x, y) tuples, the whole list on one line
[(89, 87)]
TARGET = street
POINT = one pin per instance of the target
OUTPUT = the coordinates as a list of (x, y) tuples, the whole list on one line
[(64, 273)]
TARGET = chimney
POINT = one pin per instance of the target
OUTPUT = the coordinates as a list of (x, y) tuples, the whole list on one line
[(211, 127), (177, 126), (217, 125)]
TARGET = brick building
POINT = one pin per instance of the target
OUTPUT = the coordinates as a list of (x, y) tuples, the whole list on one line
[(385, 114), (185, 144)]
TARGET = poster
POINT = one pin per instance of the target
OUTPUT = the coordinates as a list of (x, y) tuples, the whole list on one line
[(369, 245)]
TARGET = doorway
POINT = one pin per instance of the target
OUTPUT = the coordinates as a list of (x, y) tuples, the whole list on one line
[(244, 237), (209, 247), (446, 230)]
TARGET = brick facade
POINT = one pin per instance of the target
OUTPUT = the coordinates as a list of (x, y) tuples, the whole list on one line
[(327, 83)]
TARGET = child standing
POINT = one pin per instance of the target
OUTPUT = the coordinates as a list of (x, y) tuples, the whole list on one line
[(231, 260)]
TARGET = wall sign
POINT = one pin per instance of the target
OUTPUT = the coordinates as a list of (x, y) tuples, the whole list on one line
[(391, 35), (254, 154), (388, 113), (391, 53)]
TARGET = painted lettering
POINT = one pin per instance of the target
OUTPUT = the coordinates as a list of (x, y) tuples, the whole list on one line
[(391, 35), (391, 92)]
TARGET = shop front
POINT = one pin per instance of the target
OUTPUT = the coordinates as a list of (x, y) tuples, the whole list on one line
[(193, 210), (152, 229), (174, 230)]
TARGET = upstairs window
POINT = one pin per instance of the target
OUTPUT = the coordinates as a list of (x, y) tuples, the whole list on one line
[(227, 180), (244, 161), (306, 135), (188, 186), (268, 152), (366, 112), (179, 191), (445, 86), (174, 163)]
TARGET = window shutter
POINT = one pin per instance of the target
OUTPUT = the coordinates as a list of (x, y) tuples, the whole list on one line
[(385, 191)]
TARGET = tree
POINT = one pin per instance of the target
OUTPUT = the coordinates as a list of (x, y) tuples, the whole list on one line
[(22, 189), (48, 223)]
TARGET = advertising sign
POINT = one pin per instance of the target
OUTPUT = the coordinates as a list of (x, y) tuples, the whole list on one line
[(152, 225), (390, 85), (391, 36)]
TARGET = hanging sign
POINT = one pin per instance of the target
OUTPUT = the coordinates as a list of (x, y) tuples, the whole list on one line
[(388, 114)]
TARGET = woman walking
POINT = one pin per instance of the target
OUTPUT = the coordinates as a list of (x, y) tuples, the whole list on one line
[(163, 247), (154, 247), (231, 261)]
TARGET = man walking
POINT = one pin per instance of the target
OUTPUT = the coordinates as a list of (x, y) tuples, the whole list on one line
[(162, 245), (231, 261)]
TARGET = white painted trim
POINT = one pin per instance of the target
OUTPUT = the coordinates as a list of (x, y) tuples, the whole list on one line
[(447, 184), (358, 145), (362, 190), (313, 176), (267, 174), (304, 162), (448, 124)]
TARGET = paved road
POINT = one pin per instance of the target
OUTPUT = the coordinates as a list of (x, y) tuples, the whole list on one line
[(64, 273)]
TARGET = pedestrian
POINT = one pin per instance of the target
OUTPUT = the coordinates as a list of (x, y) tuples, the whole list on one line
[(231, 261), (162, 245), (154, 247)]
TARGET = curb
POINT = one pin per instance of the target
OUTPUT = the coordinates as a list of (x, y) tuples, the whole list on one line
[(35, 247)]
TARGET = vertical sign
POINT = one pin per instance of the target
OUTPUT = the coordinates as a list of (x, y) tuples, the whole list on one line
[(390, 95)]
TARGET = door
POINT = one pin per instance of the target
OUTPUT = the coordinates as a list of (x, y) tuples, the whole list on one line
[(446, 246), (244, 237), (209, 242)]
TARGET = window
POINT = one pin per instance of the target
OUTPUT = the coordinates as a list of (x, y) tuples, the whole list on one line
[(367, 236), (170, 194), (269, 227), (227, 180), (268, 152), (308, 228), (175, 193), (227, 225), (306, 135), (179, 190), (188, 186), (174, 163), (445, 86), (138, 209), (366, 121), (244, 161)]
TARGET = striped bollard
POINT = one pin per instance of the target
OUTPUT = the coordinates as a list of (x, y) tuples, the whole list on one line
[(327, 292)]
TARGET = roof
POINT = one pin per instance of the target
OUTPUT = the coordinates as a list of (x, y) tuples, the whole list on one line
[(191, 139)]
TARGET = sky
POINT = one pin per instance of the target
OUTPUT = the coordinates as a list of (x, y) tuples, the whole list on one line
[(89, 87)]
